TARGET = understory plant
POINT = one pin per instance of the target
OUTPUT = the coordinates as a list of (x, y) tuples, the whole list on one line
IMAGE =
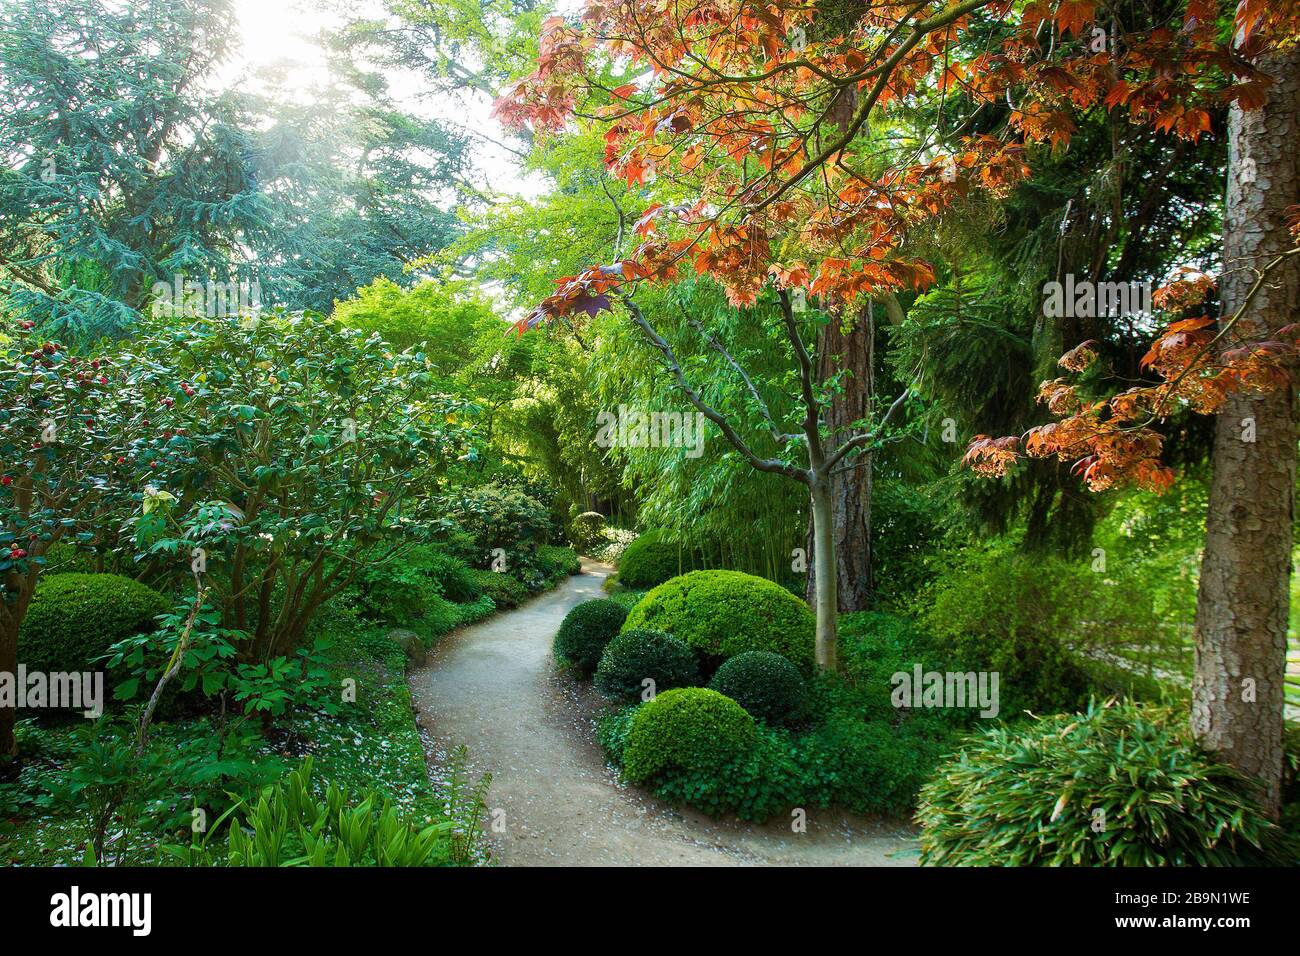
[(1117, 785), (289, 825)]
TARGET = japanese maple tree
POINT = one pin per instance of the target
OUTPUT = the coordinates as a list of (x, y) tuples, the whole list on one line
[(774, 119), (763, 114)]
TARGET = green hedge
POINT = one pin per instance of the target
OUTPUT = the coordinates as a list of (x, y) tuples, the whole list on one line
[(637, 655), (690, 728), (1120, 785), (74, 618), (651, 560), (586, 630), (722, 613), (505, 591), (765, 684), (557, 562)]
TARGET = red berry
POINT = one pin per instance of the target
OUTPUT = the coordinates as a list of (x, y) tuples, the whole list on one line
[(6, 481)]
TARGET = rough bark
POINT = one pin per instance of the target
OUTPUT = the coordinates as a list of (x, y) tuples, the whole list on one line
[(850, 350), (1243, 599)]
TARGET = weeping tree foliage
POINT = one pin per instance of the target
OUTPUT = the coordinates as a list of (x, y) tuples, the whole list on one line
[(702, 500)]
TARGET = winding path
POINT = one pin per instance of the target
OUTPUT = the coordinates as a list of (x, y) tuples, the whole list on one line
[(553, 800)]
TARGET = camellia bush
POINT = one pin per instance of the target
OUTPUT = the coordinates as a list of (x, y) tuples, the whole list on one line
[(280, 456), (62, 465)]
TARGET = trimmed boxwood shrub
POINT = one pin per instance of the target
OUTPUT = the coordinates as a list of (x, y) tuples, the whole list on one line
[(74, 618), (557, 562), (650, 560), (638, 654), (1030, 794), (586, 630), (505, 591), (765, 684), (692, 729), (722, 613), (586, 531)]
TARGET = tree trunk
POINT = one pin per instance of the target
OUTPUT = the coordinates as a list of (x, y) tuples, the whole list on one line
[(824, 601), (850, 491), (1243, 600)]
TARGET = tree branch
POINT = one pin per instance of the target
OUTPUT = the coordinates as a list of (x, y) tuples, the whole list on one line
[(670, 359)]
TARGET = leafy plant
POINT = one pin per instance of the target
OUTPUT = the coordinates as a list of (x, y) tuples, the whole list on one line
[(499, 516), (288, 825), (211, 665), (585, 632), (292, 453), (635, 656), (1117, 785)]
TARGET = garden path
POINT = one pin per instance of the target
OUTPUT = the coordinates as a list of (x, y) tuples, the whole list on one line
[(554, 800)]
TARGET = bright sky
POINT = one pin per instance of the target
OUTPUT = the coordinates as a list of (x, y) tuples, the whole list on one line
[(278, 31)]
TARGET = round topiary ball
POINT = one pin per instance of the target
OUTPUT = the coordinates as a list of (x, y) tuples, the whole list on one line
[(722, 613), (586, 531), (75, 618), (585, 632), (638, 655), (691, 728), (648, 561), (765, 684)]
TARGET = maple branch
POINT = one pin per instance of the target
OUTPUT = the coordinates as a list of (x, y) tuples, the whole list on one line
[(857, 441), (885, 71), (670, 360), (1263, 274)]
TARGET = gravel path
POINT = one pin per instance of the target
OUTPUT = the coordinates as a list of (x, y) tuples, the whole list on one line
[(554, 800)]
